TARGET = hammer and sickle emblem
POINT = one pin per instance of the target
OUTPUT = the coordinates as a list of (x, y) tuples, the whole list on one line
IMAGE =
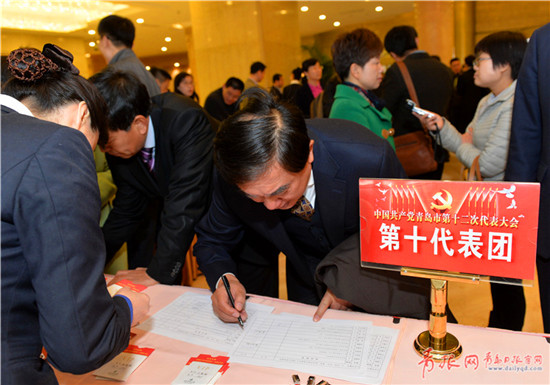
[(441, 203)]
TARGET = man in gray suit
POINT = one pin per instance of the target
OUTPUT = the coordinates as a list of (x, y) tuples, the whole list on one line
[(117, 36)]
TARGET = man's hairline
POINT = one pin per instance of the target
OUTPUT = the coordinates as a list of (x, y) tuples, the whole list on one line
[(130, 126)]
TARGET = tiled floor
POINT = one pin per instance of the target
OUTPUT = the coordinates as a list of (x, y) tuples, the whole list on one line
[(470, 303)]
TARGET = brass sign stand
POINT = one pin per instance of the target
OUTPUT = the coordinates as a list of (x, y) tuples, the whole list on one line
[(443, 345)]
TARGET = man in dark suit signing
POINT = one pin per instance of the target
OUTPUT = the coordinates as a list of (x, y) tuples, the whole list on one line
[(160, 155), (295, 184)]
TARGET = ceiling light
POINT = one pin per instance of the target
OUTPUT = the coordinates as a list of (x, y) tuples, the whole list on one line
[(91, 44), (229, 2), (163, 49), (167, 39), (336, 24), (177, 26), (176, 64), (283, 11), (304, 8), (54, 15), (91, 32), (140, 21), (379, 8), (322, 17), (87, 55), (148, 68)]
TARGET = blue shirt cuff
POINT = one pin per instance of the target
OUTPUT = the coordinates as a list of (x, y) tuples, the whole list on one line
[(129, 305)]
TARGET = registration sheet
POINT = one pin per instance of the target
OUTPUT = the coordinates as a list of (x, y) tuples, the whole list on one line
[(349, 350), (190, 318)]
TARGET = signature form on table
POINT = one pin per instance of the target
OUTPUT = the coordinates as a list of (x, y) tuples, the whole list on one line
[(190, 318), (350, 350)]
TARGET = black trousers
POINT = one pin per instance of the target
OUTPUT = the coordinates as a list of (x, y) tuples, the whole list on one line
[(508, 307), (543, 271), (142, 245)]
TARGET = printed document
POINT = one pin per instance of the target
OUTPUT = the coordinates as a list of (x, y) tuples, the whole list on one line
[(190, 318), (350, 350)]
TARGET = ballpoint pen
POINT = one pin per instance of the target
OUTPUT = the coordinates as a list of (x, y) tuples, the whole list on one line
[(228, 289)]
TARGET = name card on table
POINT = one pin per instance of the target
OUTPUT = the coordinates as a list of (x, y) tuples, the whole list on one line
[(120, 367), (125, 283), (485, 228), (203, 369)]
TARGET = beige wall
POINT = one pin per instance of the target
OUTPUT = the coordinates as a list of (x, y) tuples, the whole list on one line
[(281, 40), (520, 16), (485, 17), (227, 39), (224, 41), (323, 41), (14, 40), (434, 22)]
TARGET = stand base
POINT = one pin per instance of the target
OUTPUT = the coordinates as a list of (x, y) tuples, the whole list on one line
[(442, 348)]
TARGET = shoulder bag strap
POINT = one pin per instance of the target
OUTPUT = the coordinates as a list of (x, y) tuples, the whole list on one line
[(410, 86), (408, 81)]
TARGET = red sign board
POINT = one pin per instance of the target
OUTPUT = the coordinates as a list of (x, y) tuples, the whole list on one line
[(485, 228)]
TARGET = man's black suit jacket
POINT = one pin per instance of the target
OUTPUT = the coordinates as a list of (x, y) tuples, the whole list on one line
[(182, 180), (343, 152), (469, 95), (53, 289), (529, 154), (433, 82)]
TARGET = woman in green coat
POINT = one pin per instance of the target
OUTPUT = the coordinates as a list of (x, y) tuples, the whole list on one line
[(356, 57)]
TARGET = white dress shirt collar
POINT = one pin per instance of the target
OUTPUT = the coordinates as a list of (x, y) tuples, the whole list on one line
[(15, 105), (310, 193), (150, 140)]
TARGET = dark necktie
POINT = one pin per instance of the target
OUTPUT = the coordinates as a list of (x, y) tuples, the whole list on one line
[(303, 209), (147, 157)]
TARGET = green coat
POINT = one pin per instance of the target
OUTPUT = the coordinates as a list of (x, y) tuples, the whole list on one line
[(350, 105)]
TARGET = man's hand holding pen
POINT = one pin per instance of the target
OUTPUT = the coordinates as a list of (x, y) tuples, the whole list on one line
[(221, 303)]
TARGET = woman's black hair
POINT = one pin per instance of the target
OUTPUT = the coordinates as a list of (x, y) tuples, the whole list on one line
[(48, 80)]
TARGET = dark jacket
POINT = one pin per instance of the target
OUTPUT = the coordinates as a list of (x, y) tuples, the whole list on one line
[(303, 98), (53, 289), (469, 96), (344, 151), (433, 82), (183, 170), (529, 153), (375, 291)]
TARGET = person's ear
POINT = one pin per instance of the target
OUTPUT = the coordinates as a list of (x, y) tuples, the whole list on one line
[(503, 68), (355, 70), (310, 156), (83, 124), (141, 124), (83, 121)]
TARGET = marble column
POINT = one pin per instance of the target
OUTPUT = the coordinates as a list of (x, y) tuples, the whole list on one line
[(435, 25), (464, 14), (227, 37)]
